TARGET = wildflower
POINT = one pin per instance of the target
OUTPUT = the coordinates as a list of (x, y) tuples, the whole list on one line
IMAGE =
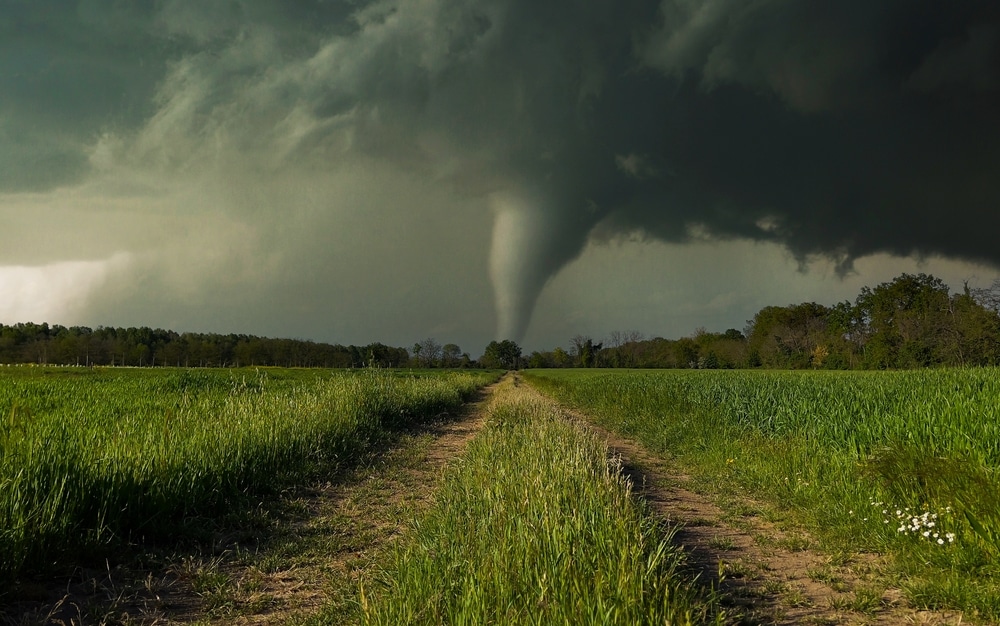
[(924, 524)]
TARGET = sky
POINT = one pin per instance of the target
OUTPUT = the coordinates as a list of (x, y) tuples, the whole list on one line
[(354, 171)]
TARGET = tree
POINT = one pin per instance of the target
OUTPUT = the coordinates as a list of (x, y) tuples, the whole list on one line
[(585, 351), (147, 347), (709, 362), (819, 355), (380, 355), (451, 355), (905, 320), (785, 336), (973, 335), (986, 297), (504, 354), (491, 355), (538, 360), (623, 348), (561, 358), (428, 352), (685, 352)]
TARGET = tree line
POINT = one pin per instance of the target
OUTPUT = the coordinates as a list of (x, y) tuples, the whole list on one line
[(147, 347), (912, 321), (504, 354)]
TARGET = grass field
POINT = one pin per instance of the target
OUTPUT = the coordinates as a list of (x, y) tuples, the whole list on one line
[(91, 460), (531, 525), (901, 463), (535, 525)]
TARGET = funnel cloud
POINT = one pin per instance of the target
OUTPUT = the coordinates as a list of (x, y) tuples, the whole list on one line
[(314, 168)]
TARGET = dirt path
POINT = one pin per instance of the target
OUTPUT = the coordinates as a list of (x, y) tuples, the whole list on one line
[(286, 561), (766, 574)]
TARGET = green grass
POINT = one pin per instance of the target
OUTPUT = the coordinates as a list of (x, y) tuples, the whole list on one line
[(92, 459), (841, 452), (534, 526)]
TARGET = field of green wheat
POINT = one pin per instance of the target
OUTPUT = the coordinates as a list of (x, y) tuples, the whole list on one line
[(898, 463), (93, 459)]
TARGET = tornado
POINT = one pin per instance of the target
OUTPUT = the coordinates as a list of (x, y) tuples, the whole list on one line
[(531, 241)]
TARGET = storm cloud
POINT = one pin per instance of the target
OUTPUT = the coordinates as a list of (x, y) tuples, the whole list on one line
[(241, 151)]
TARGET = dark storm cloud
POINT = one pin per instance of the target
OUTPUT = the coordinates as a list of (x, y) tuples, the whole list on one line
[(66, 71), (844, 128), (839, 129), (70, 71)]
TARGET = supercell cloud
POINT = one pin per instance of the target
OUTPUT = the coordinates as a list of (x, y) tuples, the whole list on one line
[(339, 165)]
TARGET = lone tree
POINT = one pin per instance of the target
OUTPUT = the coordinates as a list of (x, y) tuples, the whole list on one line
[(427, 352), (505, 354)]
